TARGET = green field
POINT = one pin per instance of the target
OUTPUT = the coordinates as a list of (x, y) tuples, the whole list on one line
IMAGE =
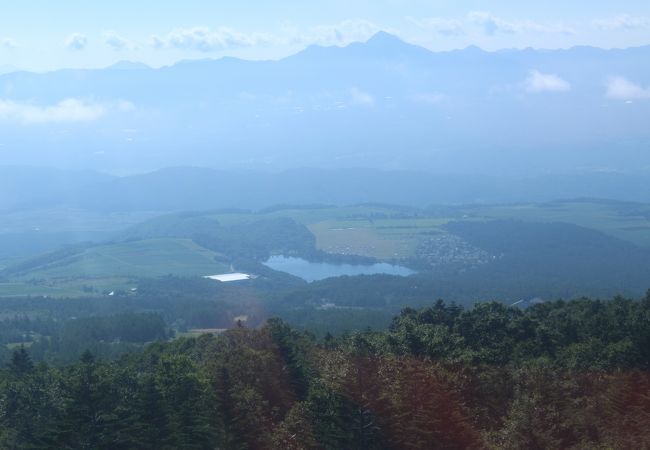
[(68, 220), (148, 258), (382, 232), (382, 239), (390, 233), (114, 267), (67, 287)]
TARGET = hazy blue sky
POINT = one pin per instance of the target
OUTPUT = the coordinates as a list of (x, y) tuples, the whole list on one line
[(44, 34)]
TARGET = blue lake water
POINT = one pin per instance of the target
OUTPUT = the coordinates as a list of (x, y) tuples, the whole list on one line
[(314, 271)]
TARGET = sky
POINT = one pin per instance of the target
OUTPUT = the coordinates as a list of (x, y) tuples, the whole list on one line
[(43, 35)]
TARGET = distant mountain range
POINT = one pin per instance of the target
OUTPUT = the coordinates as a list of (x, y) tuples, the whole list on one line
[(21, 186), (189, 188), (382, 104)]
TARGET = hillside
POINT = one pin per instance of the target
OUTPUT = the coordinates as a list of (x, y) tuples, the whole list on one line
[(551, 250), (22, 186)]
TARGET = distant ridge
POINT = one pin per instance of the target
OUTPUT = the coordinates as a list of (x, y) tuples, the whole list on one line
[(381, 45), (384, 104), (200, 189), (4, 68), (128, 65)]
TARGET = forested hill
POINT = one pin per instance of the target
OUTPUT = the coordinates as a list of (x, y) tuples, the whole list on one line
[(557, 375)]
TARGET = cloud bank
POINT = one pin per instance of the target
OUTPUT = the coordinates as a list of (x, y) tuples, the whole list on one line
[(68, 110), (442, 26), (204, 39), (116, 42), (619, 88), (623, 22), (493, 25), (341, 33), (540, 82)]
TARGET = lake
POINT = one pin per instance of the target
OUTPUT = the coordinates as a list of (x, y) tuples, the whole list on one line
[(314, 271)]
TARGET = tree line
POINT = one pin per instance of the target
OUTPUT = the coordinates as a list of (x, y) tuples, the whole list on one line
[(557, 375)]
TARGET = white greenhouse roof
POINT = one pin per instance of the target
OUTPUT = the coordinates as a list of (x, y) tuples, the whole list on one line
[(226, 277)]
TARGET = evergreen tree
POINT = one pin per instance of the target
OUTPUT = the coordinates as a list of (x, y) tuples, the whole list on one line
[(88, 417), (21, 364)]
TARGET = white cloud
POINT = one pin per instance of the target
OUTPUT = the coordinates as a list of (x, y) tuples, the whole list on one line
[(116, 42), (76, 41), (445, 27), (493, 25), (204, 39), (341, 33), (622, 22), (542, 82), (361, 98), (8, 43), (68, 110), (619, 88)]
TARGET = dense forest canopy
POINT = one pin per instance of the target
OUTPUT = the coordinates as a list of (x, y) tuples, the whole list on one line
[(556, 375)]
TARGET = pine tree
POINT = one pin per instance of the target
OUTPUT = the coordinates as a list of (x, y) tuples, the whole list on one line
[(21, 364), (151, 416), (186, 403), (26, 406), (88, 420)]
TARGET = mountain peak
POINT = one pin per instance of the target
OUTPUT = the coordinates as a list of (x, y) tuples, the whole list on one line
[(475, 50), (383, 38), (381, 45)]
